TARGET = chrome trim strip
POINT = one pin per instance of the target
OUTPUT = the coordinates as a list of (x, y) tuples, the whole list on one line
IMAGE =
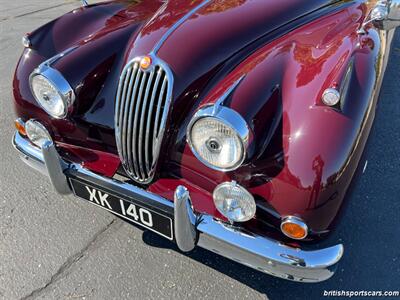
[(220, 102), (258, 252), (176, 25)]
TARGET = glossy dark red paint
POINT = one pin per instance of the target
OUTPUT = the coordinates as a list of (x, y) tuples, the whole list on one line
[(303, 154), (317, 145)]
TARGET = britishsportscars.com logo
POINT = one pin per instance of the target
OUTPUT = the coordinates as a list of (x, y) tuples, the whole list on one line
[(362, 293)]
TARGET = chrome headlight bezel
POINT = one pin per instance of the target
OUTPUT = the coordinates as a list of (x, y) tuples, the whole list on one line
[(229, 118), (61, 85)]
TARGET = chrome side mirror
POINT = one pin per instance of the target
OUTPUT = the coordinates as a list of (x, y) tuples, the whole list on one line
[(84, 3), (384, 16)]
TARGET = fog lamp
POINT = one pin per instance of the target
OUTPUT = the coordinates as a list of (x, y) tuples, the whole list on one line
[(37, 133), (294, 228), (234, 202)]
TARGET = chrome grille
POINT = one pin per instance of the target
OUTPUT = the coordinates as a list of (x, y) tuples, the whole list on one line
[(141, 112)]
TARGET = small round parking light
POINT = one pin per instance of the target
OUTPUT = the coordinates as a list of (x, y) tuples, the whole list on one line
[(145, 62), (331, 97), (37, 133), (294, 228), (26, 42), (234, 202)]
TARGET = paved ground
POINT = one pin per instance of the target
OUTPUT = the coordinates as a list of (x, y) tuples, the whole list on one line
[(52, 247)]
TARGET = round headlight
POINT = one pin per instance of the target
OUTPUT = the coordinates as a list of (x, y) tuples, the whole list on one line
[(218, 138), (234, 202), (47, 96), (51, 91), (37, 133), (216, 143)]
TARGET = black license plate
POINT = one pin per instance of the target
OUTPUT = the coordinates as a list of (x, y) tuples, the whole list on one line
[(126, 209)]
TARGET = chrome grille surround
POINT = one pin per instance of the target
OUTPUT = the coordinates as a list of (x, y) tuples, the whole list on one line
[(141, 111)]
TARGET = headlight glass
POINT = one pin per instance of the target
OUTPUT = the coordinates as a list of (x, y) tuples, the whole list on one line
[(48, 96), (37, 133), (216, 144), (234, 202)]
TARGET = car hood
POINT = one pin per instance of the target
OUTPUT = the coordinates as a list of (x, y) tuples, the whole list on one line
[(194, 37), (201, 42)]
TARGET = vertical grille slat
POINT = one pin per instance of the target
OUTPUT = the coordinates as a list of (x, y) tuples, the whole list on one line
[(132, 98), (125, 105), (142, 121), (123, 95), (117, 112), (135, 142), (148, 153), (142, 104), (158, 113), (122, 103)]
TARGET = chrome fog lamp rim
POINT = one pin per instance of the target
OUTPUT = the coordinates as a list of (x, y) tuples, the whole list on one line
[(229, 118), (39, 127), (249, 201), (62, 86)]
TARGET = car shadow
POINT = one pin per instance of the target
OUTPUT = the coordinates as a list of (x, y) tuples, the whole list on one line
[(252, 278)]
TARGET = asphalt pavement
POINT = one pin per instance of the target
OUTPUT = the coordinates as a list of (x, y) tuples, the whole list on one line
[(62, 248)]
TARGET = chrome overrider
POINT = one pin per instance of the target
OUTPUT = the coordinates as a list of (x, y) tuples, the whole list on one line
[(192, 229)]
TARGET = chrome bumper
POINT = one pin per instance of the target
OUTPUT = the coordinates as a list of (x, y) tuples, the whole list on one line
[(190, 229)]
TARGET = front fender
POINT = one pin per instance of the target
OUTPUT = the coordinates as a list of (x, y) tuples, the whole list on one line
[(304, 153), (93, 39)]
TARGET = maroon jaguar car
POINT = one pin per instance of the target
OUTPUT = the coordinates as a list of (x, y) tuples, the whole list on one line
[(233, 125)]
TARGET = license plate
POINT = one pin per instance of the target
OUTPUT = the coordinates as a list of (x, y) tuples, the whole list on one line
[(124, 208)]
